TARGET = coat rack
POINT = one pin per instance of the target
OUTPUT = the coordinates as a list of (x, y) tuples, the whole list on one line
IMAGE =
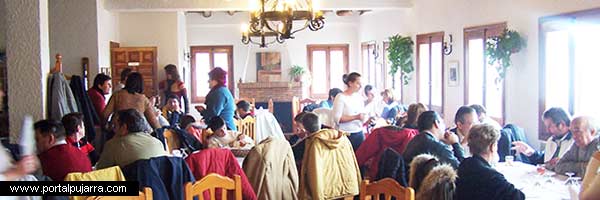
[(58, 65)]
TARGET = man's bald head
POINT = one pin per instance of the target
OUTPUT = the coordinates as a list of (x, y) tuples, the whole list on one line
[(584, 129)]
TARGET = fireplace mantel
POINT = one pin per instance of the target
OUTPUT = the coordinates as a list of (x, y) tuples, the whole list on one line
[(263, 91)]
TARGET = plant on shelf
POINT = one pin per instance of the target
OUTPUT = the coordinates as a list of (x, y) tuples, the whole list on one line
[(500, 48), (400, 53), (296, 73)]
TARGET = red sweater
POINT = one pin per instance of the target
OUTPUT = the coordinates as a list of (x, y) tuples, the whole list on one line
[(97, 99), (370, 151), (86, 148), (60, 160), (222, 162)]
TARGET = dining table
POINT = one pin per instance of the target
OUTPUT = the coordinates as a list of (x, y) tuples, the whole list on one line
[(546, 186)]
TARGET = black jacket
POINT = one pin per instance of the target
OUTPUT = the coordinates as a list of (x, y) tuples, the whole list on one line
[(478, 180), (426, 143), (391, 165), (166, 176), (90, 117)]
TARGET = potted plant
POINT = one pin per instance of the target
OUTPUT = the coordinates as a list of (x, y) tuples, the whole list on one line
[(296, 73), (500, 48), (400, 53)]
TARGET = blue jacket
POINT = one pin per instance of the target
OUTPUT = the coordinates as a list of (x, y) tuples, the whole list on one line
[(166, 176), (219, 102)]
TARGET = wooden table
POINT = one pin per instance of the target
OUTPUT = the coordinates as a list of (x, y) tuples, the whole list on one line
[(525, 178)]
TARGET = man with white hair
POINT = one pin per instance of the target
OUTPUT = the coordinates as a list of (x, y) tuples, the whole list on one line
[(575, 160)]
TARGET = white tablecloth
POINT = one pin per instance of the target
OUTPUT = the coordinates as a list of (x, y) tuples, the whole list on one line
[(266, 126), (526, 178)]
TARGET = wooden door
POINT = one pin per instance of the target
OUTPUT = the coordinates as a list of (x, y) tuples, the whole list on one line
[(139, 59)]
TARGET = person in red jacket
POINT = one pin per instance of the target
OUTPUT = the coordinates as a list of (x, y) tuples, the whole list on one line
[(101, 87), (56, 156)]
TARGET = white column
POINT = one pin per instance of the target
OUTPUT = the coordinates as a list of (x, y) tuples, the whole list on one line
[(28, 60)]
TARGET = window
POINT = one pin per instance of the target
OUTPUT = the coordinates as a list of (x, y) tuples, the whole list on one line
[(331, 59), (374, 73), (391, 82), (482, 83), (568, 65), (430, 70), (204, 59)]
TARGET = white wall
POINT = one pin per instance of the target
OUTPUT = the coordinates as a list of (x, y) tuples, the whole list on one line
[(452, 16), (222, 29), (73, 33), (151, 29), (108, 24)]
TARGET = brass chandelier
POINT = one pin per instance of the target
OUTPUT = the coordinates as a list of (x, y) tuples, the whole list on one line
[(273, 20)]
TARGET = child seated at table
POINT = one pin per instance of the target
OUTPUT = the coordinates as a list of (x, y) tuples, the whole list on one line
[(222, 137), (243, 110), (172, 111), (189, 124)]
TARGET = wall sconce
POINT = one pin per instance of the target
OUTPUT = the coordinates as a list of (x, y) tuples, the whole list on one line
[(376, 51), (448, 46)]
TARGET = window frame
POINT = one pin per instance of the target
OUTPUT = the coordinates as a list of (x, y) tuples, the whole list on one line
[(482, 32), (327, 48), (429, 38), (195, 98), (545, 25), (371, 47)]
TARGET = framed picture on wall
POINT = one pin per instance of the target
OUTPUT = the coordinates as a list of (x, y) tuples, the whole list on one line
[(453, 75), (268, 66)]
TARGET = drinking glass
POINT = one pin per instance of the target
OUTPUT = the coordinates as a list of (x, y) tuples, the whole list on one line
[(541, 169), (509, 160)]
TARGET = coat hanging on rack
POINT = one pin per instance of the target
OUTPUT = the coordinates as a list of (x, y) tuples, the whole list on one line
[(90, 118), (60, 97)]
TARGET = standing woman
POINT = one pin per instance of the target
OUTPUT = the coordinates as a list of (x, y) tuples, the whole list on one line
[(132, 97), (219, 101), (349, 109), (175, 86)]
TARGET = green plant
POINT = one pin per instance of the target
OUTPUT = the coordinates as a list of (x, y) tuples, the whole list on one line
[(400, 53), (500, 48), (296, 72)]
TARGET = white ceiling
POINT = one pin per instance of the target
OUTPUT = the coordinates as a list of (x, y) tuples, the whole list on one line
[(226, 5)]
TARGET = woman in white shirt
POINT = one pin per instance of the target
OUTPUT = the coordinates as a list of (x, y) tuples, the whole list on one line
[(349, 110)]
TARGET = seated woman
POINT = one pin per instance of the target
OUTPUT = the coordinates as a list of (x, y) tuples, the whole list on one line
[(391, 108), (75, 130), (221, 137), (172, 111), (333, 92), (414, 110), (476, 177)]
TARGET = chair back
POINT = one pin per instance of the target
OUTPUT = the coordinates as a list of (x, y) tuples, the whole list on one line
[(143, 195), (247, 127), (172, 140), (271, 106), (388, 188), (211, 182)]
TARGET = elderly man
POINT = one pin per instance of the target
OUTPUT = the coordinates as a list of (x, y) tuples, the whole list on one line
[(130, 142), (586, 143), (557, 122), (476, 177)]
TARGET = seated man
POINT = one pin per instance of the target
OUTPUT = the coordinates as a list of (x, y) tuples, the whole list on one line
[(243, 110), (476, 177), (557, 122), (584, 131), (433, 140), (333, 92), (75, 130), (221, 137), (56, 156), (483, 117), (130, 143), (464, 119), (329, 168), (172, 111)]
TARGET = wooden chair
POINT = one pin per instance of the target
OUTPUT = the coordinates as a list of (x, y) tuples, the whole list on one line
[(247, 127), (172, 140), (271, 106), (211, 182), (388, 187), (144, 195)]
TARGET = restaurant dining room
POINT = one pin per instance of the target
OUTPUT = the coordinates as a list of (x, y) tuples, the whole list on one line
[(299, 99)]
